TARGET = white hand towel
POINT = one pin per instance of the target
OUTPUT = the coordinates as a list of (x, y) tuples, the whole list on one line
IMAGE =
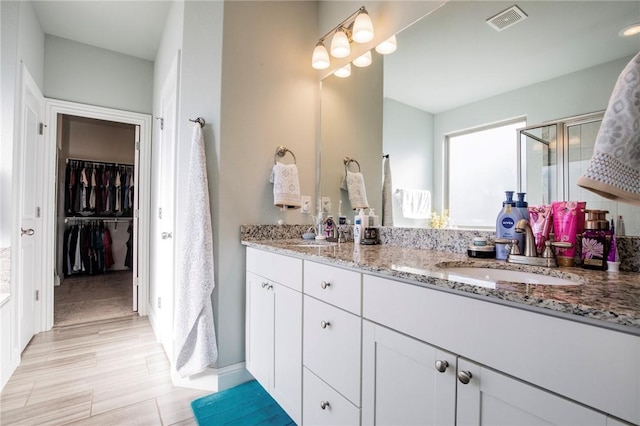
[(416, 203), (286, 185), (614, 169), (387, 200), (194, 332), (357, 190)]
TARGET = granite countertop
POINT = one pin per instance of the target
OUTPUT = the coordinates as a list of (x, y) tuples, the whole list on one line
[(606, 299)]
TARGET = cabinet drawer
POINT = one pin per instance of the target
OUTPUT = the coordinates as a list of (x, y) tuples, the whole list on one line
[(332, 346), (276, 267), (337, 410), (333, 285), (566, 357)]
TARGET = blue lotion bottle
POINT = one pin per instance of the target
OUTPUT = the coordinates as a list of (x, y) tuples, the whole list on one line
[(506, 226), (522, 206)]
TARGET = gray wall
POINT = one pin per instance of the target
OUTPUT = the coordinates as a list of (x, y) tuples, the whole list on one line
[(408, 139), (90, 75)]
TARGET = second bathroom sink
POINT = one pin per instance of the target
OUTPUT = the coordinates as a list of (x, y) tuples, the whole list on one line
[(488, 277)]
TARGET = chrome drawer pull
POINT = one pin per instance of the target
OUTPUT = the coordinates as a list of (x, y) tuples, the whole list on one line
[(324, 324), (324, 404), (441, 365), (464, 377), (324, 285)]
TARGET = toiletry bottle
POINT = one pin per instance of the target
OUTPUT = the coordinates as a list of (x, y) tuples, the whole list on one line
[(357, 228), (364, 223), (620, 227), (373, 219), (506, 226), (595, 240), (523, 206)]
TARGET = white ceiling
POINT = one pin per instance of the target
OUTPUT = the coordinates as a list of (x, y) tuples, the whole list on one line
[(130, 27), (452, 57)]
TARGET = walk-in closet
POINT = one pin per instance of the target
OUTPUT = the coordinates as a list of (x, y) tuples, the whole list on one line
[(96, 190)]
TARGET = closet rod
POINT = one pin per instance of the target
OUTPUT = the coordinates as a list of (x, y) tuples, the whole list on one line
[(95, 218), (100, 162)]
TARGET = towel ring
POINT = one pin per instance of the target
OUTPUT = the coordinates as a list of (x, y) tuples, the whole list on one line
[(348, 161), (281, 151), (198, 120)]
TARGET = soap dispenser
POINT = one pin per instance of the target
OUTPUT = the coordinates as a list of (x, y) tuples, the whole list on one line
[(595, 240), (506, 226)]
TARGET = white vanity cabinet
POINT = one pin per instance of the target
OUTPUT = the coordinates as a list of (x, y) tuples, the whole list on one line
[(274, 327), (521, 360), (405, 381), (332, 345), (486, 397)]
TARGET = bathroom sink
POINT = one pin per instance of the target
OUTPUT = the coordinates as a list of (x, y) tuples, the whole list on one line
[(488, 277)]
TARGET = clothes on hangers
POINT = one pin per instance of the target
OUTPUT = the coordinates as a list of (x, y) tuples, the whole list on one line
[(87, 249), (98, 189)]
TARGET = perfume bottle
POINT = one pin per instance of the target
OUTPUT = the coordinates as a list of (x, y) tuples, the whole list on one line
[(595, 240)]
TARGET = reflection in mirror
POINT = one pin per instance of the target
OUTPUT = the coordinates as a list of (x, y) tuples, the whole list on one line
[(453, 73)]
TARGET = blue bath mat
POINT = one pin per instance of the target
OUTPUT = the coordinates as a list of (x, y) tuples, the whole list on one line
[(247, 404)]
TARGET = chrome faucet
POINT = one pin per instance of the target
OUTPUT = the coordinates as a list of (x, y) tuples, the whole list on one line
[(530, 256)]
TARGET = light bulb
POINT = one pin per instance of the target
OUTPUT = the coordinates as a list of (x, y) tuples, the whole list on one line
[(362, 28), (320, 59), (363, 60), (340, 44), (343, 72), (630, 30), (387, 46)]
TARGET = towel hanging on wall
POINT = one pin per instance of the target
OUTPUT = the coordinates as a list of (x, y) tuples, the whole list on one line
[(194, 332), (416, 203), (286, 185), (614, 169)]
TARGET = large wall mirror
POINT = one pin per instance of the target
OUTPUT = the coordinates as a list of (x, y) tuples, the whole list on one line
[(453, 74)]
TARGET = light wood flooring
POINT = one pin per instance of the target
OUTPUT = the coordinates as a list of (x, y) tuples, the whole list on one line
[(108, 372)]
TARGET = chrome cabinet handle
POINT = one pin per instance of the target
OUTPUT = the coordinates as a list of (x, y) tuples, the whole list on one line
[(441, 365), (324, 285), (324, 324), (267, 286), (324, 404), (464, 377), (166, 235), (28, 232)]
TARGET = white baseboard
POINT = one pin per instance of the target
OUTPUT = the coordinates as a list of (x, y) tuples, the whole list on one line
[(214, 379)]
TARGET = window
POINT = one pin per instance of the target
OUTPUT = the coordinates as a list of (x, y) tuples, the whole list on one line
[(481, 164)]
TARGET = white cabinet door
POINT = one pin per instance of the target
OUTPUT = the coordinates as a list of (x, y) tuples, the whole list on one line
[(259, 328), (401, 384), (286, 378), (491, 398)]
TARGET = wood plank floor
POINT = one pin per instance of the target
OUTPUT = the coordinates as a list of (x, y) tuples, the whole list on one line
[(108, 372)]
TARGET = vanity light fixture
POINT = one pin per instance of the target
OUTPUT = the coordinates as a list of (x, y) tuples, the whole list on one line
[(388, 46), (630, 30), (343, 72), (363, 60), (357, 27)]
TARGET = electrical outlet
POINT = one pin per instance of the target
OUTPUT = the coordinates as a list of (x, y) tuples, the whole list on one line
[(326, 205), (305, 200)]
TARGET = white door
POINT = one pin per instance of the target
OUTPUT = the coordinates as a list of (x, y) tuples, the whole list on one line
[(29, 174), (135, 221), (165, 267), (405, 381), (486, 397)]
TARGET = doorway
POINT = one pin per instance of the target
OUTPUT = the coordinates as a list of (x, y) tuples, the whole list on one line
[(98, 237), (96, 195)]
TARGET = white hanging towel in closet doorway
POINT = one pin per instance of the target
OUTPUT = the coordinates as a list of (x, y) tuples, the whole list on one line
[(194, 332)]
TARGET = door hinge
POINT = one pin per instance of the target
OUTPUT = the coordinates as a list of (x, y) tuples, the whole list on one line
[(137, 145), (37, 211), (136, 213), (37, 295), (41, 127), (159, 212), (159, 302), (161, 121), (136, 281)]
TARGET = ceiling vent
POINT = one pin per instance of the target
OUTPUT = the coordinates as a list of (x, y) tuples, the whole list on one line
[(507, 18)]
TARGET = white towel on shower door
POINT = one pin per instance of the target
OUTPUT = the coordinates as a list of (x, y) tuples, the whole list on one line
[(194, 332)]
